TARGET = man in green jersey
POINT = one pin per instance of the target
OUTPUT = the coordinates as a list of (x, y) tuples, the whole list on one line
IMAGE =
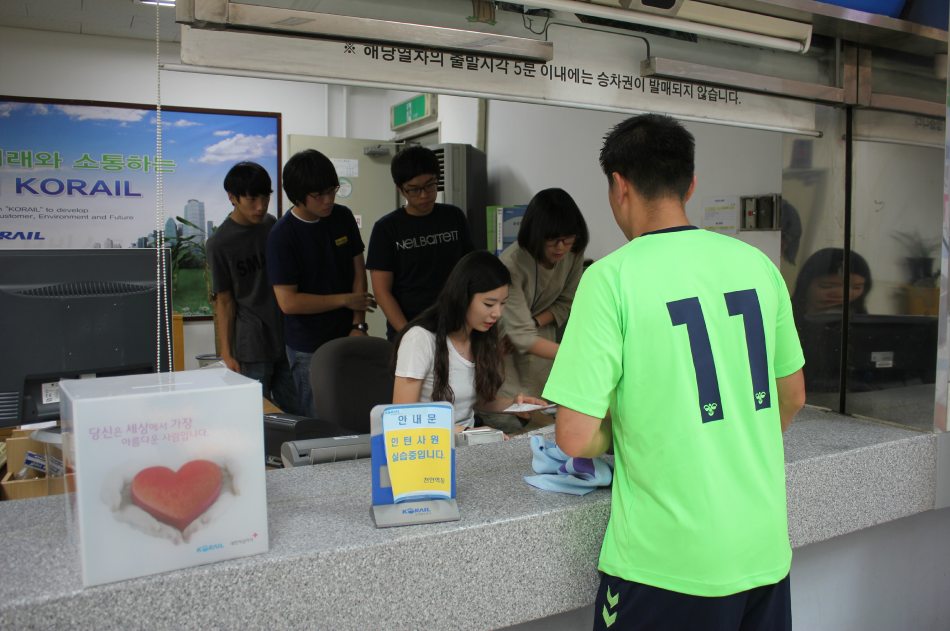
[(682, 354)]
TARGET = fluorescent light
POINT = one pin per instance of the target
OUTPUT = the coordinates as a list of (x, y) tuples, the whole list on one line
[(348, 28), (704, 30), (161, 3)]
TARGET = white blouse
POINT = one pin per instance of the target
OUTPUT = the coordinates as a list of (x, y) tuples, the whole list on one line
[(416, 360)]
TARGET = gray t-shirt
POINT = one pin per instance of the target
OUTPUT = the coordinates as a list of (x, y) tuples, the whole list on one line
[(238, 263)]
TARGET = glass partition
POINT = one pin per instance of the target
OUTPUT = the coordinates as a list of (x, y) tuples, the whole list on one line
[(813, 220), (894, 282)]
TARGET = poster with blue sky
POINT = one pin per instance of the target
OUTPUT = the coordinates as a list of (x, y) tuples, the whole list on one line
[(83, 176)]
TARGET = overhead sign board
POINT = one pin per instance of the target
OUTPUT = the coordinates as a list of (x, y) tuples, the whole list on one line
[(590, 69)]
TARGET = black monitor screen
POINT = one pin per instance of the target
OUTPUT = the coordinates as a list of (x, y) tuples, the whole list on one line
[(70, 314), (884, 351)]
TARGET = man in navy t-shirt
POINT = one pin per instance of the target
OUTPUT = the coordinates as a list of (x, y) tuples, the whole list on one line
[(315, 264), (414, 249)]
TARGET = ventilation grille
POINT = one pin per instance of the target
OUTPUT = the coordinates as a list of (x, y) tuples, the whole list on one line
[(8, 405), (79, 290), (440, 153)]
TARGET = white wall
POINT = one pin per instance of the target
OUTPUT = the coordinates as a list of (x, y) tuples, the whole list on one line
[(367, 114), (199, 340), (88, 67), (533, 147)]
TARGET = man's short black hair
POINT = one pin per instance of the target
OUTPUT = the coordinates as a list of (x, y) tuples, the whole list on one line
[(551, 214), (654, 153), (308, 172), (248, 179), (412, 162)]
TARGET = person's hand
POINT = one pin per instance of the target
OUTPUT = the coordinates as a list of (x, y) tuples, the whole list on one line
[(116, 493), (360, 301), (358, 333), (232, 364), (521, 399)]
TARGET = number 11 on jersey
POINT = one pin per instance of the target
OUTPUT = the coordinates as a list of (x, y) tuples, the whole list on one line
[(745, 303), (689, 312)]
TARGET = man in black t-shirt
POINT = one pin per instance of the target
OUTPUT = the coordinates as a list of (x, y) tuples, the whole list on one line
[(413, 249), (250, 323), (315, 264)]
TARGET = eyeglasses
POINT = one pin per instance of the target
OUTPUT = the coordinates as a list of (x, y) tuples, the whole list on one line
[(416, 191), (568, 241), (330, 193)]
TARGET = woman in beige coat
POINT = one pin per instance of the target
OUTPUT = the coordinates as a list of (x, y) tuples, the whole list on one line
[(545, 265)]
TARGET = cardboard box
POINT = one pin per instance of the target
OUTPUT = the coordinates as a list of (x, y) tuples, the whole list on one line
[(169, 471)]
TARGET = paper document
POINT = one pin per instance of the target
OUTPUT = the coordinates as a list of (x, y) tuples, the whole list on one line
[(346, 167), (529, 407), (721, 214)]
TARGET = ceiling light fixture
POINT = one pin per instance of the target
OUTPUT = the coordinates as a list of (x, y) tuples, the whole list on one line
[(161, 3), (725, 25)]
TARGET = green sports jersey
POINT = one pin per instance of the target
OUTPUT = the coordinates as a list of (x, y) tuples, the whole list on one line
[(681, 334)]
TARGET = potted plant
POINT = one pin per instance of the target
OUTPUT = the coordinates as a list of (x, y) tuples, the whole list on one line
[(921, 252), (922, 294)]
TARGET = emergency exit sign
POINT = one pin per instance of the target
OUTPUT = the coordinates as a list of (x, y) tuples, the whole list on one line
[(415, 109)]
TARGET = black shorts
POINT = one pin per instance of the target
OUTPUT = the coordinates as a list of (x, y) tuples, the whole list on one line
[(628, 606)]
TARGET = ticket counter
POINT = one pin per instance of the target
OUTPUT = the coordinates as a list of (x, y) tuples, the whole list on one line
[(518, 553)]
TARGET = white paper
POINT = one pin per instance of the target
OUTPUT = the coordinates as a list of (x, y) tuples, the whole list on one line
[(346, 167), (51, 392), (359, 221), (529, 407), (721, 214)]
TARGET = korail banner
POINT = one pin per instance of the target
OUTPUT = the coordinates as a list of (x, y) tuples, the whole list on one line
[(83, 175)]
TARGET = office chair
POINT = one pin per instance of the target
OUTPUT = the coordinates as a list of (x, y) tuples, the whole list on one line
[(350, 376)]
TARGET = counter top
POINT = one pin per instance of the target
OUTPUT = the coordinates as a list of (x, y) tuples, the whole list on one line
[(518, 553)]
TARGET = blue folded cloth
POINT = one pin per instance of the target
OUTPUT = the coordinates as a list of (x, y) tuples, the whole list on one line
[(563, 474)]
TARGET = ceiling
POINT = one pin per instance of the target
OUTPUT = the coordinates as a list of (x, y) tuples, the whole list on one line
[(112, 18)]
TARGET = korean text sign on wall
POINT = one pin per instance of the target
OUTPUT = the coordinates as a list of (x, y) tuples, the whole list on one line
[(83, 176)]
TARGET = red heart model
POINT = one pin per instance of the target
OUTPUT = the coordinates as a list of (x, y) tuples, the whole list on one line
[(177, 499)]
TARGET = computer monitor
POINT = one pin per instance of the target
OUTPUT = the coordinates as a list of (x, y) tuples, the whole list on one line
[(69, 314), (884, 351), (891, 351)]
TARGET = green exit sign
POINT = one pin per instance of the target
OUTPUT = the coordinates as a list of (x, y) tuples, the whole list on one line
[(415, 109)]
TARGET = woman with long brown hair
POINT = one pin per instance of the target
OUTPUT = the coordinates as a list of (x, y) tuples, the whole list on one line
[(452, 350)]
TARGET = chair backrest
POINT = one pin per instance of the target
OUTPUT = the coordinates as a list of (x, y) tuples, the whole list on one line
[(349, 377)]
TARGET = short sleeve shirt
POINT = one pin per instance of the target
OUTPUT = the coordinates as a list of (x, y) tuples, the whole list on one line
[(416, 360), (421, 252), (681, 334), (318, 258), (237, 257)]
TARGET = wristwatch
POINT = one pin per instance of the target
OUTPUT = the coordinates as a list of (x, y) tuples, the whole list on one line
[(537, 324), (361, 326)]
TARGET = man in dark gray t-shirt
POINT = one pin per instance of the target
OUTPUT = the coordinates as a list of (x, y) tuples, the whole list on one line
[(250, 323)]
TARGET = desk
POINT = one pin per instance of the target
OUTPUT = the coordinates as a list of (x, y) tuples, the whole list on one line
[(270, 408), (328, 567)]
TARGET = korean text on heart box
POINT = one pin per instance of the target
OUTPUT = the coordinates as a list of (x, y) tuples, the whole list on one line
[(169, 469)]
